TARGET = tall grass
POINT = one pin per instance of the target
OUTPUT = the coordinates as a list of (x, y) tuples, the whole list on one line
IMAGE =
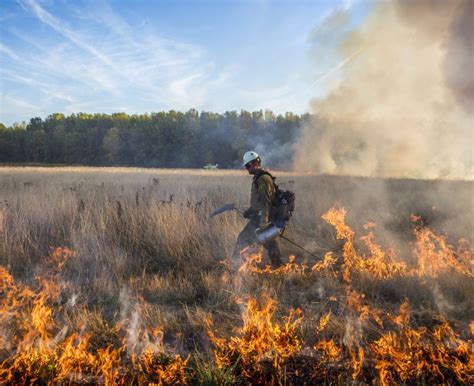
[(146, 234)]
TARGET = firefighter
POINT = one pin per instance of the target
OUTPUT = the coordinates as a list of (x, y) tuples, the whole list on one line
[(259, 213)]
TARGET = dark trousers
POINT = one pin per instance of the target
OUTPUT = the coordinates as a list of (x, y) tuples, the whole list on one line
[(247, 237)]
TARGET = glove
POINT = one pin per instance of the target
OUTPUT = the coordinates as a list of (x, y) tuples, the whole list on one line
[(249, 213)]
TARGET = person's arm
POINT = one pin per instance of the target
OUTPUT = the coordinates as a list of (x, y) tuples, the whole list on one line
[(265, 196), (254, 208)]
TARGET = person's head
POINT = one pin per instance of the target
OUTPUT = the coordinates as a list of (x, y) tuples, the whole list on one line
[(252, 162)]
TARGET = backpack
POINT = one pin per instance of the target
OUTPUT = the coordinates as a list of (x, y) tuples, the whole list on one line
[(283, 204)]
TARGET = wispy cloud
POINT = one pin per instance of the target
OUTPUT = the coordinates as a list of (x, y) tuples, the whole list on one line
[(180, 88), (106, 56), (18, 102), (98, 56), (45, 88), (62, 29), (13, 105), (7, 51)]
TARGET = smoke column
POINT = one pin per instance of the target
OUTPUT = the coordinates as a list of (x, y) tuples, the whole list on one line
[(404, 105)]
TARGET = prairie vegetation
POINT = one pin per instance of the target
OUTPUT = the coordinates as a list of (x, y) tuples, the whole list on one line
[(113, 275)]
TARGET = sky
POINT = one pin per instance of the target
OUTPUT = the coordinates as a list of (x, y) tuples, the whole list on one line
[(146, 56)]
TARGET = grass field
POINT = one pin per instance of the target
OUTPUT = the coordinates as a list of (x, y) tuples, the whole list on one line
[(117, 275)]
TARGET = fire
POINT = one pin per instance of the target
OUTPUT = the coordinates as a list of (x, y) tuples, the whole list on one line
[(324, 320), (357, 336), (252, 262), (252, 265), (435, 255), (406, 353), (393, 347), (377, 263), (432, 253), (39, 350), (260, 340), (327, 263), (331, 351)]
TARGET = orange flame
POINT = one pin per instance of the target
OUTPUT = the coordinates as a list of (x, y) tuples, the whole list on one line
[(259, 339), (40, 351), (353, 336)]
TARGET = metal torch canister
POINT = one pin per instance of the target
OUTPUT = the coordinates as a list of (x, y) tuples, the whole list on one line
[(267, 234)]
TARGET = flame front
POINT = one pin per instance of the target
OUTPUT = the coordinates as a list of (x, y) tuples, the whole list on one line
[(260, 341), (39, 353), (374, 342), (353, 336)]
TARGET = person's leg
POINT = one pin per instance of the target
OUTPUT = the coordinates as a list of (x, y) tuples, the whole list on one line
[(274, 253), (245, 238)]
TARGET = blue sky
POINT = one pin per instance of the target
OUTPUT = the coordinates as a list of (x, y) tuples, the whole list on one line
[(144, 56)]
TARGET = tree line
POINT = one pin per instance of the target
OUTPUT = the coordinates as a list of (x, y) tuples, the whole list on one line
[(163, 139)]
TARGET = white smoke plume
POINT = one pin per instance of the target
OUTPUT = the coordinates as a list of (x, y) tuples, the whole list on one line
[(404, 106)]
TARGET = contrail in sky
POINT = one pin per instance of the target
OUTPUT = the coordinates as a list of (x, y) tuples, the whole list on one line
[(338, 67)]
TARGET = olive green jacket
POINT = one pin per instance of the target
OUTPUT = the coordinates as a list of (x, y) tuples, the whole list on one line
[(261, 196)]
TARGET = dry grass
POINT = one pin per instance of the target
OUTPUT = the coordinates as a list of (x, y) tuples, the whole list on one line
[(142, 240)]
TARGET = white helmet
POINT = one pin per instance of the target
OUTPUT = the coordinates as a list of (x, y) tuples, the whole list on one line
[(250, 156)]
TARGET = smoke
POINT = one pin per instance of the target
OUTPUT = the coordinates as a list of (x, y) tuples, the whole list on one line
[(404, 103), (138, 337)]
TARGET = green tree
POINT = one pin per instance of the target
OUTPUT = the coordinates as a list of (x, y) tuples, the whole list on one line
[(112, 146), (164, 139)]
